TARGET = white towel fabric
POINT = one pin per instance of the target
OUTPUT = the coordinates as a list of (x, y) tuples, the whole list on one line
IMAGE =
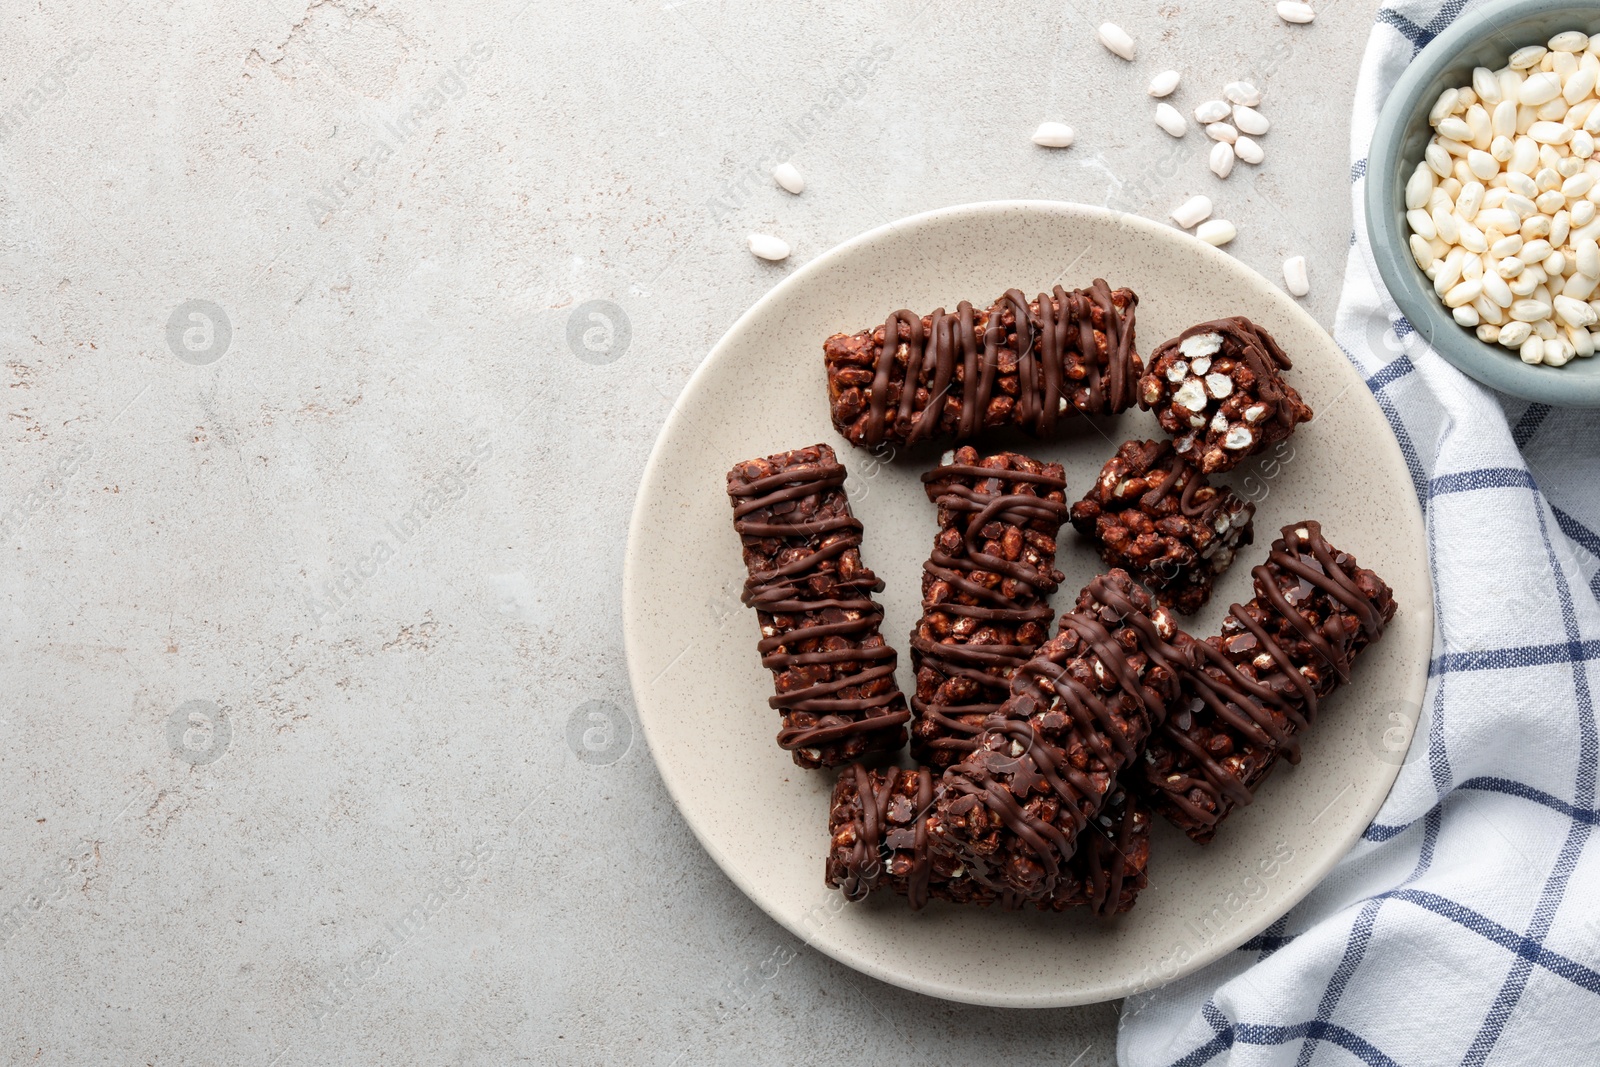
[(1464, 928)]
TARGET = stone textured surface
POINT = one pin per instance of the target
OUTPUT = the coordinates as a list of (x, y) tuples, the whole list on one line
[(315, 742)]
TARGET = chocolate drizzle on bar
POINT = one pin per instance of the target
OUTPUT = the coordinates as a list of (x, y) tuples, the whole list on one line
[(866, 859), (834, 674), (953, 374), (1324, 572), (983, 590), (1112, 860), (1078, 714), (1156, 515), (878, 825), (1261, 680), (1217, 388)]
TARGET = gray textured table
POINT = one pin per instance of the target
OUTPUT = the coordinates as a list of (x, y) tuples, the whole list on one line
[(315, 739)]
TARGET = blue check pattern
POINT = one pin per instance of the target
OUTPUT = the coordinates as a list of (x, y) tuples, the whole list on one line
[(1464, 928)]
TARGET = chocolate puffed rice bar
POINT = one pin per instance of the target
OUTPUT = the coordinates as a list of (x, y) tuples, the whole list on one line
[(1259, 682), (951, 375), (1079, 712), (877, 825), (832, 670), (984, 612), (1216, 388), (1158, 517)]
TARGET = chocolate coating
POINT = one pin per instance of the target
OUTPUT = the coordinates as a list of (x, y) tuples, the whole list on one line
[(1217, 388), (1159, 517), (983, 589), (879, 839), (1078, 715), (950, 375), (833, 672), (1262, 679)]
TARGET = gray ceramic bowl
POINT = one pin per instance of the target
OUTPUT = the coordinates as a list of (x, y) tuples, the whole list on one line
[(1483, 37)]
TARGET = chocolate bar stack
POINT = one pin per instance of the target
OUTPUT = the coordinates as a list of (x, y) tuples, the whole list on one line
[(1119, 710), (1041, 759)]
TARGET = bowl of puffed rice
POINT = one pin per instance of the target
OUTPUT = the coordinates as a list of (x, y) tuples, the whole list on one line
[(1483, 198)]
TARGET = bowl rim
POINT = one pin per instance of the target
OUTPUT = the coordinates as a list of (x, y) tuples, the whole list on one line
[(1575, 385)]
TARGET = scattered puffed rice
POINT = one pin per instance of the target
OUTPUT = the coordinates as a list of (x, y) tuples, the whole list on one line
[(1250, 121), (1116, 39), (1216, 231), (1169, 119), (1211, 111), (1222, 159), (1297, 13), (1192, 211), (1295, 277), (1053, 135), (1247, 149), (1164, 84), (1242, 93), (1221, 131), (768, 247), (789, 177)]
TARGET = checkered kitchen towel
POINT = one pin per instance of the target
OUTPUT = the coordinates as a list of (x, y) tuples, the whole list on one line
[(1464, 928)]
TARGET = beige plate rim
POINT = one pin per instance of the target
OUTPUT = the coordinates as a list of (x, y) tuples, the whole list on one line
[(634, 598)]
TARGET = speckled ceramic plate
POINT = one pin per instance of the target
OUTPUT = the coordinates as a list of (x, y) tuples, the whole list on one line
[(702, 693)]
